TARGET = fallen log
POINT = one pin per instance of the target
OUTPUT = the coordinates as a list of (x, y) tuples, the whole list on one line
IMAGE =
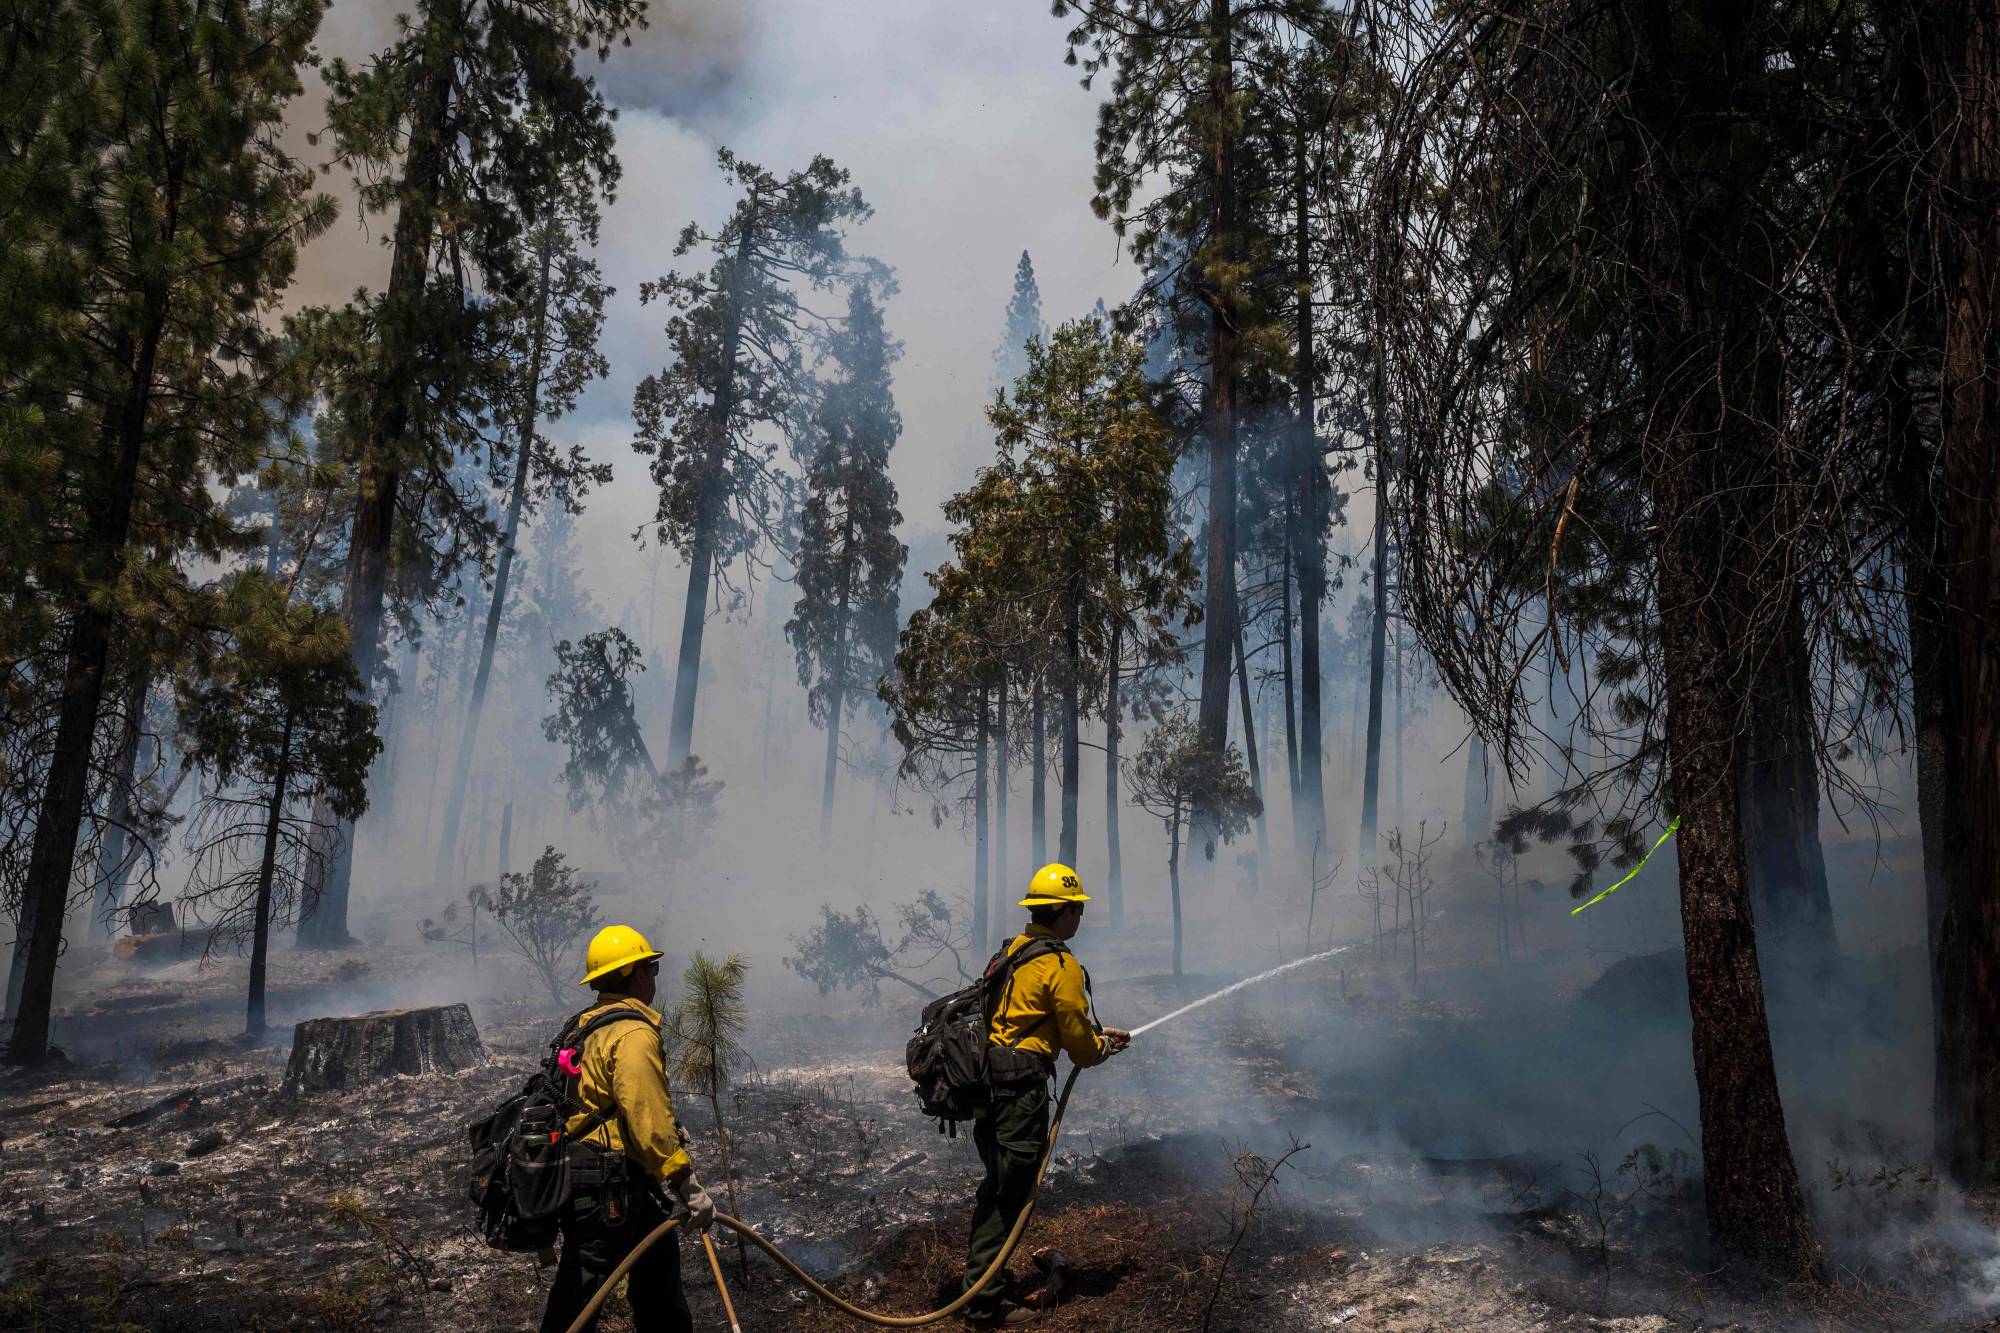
[(183, 1100), (332, 1053)]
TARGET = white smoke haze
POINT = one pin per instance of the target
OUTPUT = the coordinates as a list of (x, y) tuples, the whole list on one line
[(972, 142)]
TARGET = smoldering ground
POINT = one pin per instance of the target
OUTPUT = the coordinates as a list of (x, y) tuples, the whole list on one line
[(1467, 1136), (1503, 1146)]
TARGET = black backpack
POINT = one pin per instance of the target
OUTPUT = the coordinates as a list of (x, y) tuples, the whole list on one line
[(526, 1165), (950, 1058)]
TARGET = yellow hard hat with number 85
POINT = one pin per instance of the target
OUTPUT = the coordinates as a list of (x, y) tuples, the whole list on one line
[(1055, 885), (613, 948)]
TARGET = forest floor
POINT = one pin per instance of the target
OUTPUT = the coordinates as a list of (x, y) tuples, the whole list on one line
[(164, 1179)]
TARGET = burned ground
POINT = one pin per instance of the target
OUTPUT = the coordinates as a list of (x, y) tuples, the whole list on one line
[(167, 1180)]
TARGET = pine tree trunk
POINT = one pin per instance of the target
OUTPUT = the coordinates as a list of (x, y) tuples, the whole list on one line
[(1038, 817), (1114, 883), (59, 815), (1219, 612), (708, 518), (1960, 55), (1378, 630), (468, 739), (114, 863), (980, 920), (834, 704), (1174, 882), (1943, 822), (1308, 560), (1002, 769), (506, 838), (260, 935), (1704, 355), (1300, 855), (380, 468), (1756, 1211), (1072, 739), (1779, 796), (836, 700), (1398, 747), (1250, 746)]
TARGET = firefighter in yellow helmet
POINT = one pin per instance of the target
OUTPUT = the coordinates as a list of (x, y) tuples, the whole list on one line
[(1044, 1006), (630, 1145)]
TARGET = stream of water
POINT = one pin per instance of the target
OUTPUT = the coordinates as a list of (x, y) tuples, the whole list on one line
[(1237, 986)]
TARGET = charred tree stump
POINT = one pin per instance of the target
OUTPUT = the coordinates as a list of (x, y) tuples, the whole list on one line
[(347, 1052)]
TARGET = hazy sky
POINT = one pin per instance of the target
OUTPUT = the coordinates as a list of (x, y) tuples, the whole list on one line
[(963, 128)]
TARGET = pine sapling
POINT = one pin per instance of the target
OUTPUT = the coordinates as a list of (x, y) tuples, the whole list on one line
[(704, 1030)]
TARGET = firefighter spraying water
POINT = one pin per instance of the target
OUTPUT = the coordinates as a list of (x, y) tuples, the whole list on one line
[(987, 1054)]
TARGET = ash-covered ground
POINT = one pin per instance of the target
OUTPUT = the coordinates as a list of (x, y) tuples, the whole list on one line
[(1463, 1160)]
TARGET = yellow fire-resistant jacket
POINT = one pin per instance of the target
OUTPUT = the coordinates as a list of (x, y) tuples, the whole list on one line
[(623, 1073), (1045, 1004)]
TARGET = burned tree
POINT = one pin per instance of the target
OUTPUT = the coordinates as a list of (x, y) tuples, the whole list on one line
[(281, 730)]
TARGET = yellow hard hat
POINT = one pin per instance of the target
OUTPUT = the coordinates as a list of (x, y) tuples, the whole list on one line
[(615, 947), (1054, 885)]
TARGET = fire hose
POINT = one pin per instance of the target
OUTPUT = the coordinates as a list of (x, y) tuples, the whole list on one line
[(846, 1307)]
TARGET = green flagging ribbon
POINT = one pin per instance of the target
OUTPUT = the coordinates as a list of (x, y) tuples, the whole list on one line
[(1676, 823)]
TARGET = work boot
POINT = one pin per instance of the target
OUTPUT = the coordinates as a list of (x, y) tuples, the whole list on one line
[(1007, 1316)]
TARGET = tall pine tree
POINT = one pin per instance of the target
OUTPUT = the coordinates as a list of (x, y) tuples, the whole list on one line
[(741, 384), (463, 127), (162, 201), (553, 334), (850, 562)]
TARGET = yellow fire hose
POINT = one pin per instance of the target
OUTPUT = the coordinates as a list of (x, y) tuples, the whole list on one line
[(846, 1307)]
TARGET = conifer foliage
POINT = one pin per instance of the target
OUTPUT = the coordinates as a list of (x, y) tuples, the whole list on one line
[(153, 222), (741, 387), (464, 128), (850, 562), (280, 728)]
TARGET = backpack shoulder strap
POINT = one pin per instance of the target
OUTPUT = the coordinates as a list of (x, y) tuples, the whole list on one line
[(619, 1014)]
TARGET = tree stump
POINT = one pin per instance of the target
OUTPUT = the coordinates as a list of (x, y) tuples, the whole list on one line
[(348, 1052)]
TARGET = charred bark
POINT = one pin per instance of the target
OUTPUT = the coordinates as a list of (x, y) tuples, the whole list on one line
[(1962, 51)]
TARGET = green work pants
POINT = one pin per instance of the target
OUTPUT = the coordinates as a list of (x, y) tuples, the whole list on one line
[(1010, 1138), (593, 1244)]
